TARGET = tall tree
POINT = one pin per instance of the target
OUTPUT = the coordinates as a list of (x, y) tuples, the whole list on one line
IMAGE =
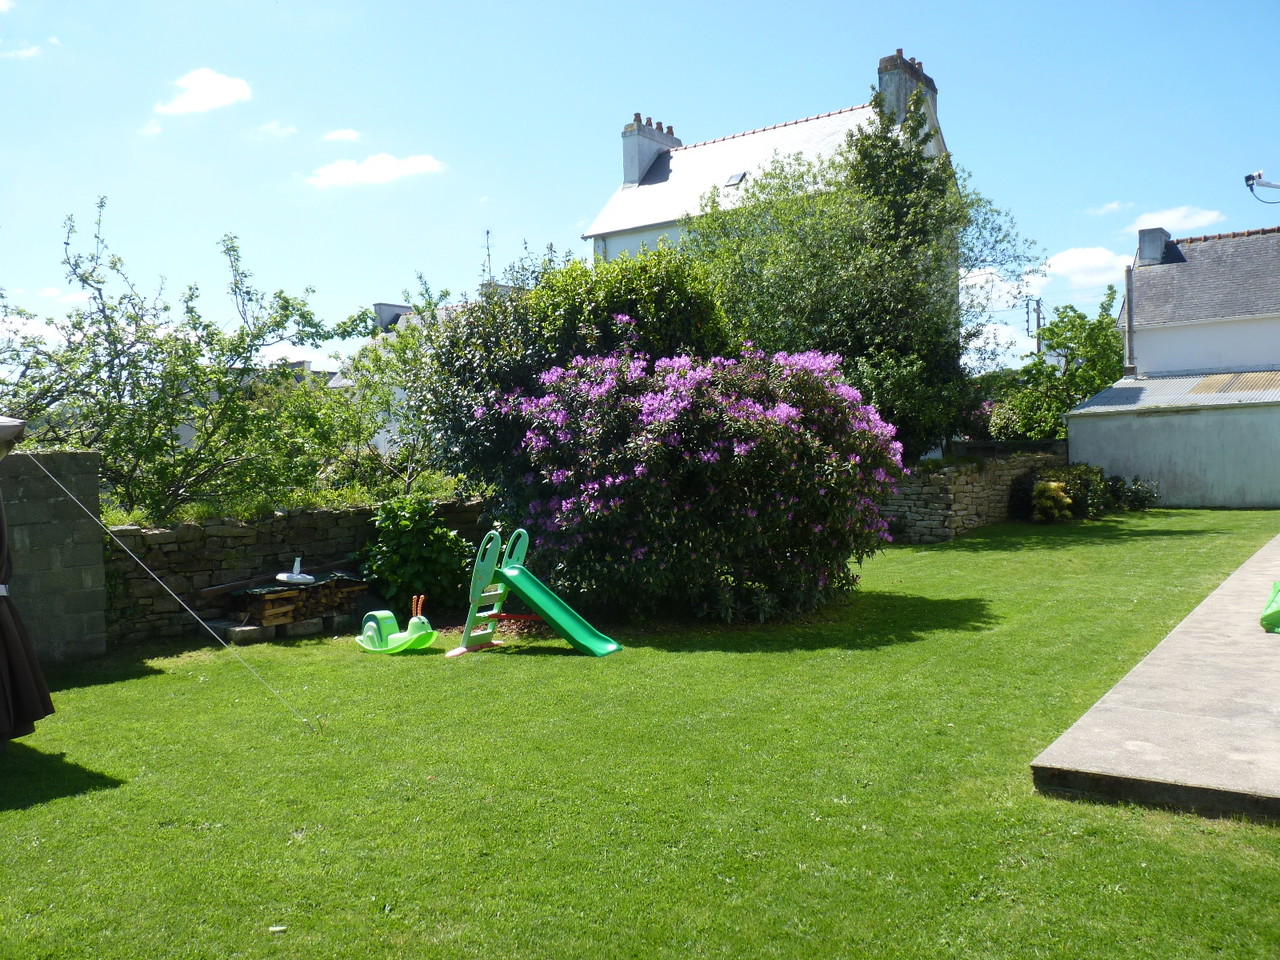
[(182, 408), (863, 254), (1079, 356)]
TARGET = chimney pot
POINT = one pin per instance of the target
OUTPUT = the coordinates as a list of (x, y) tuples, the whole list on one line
[(642, 142), (1151, 243), (899, 78), (637, 117)]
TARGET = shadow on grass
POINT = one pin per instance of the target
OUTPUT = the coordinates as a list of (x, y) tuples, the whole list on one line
[(1118, 529), (29, 777), (111, 668), (132, 662), (868, 620)]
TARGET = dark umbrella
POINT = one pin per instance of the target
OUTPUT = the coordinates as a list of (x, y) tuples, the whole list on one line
[(24, 696)]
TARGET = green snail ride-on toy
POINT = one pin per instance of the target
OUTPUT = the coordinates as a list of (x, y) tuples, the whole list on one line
[(380, 632)]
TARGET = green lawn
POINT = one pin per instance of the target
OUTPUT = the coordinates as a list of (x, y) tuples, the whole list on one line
[(853, 786)]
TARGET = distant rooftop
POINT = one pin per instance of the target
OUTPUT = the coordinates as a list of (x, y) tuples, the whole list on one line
[(1212, 277), (1134, 394), (679, 177)]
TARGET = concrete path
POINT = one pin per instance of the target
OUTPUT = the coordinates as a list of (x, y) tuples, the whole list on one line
[(1194, 726)]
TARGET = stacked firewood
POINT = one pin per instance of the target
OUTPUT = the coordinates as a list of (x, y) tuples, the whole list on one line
[(272, 606)]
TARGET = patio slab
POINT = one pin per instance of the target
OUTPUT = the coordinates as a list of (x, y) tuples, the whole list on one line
[(1194, 726)]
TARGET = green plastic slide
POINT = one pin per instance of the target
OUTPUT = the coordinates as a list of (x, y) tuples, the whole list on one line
[(562, 618), (1271, 615)]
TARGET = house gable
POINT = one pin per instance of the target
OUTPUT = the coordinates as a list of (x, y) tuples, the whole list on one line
[(664, 180), (1209, 303)]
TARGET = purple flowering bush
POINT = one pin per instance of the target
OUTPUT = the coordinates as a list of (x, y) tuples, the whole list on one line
[(733, 488)]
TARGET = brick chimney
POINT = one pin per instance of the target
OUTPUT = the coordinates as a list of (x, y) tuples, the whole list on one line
[(1151, 243), (641, 143), (899, 78)]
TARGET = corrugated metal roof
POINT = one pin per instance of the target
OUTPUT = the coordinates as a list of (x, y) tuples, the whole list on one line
[(678, 178), (1134, 394)]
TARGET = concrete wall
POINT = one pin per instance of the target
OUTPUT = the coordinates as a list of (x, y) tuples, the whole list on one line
[(937, 504), (1207, 345), (59, 584), (1201, 457)]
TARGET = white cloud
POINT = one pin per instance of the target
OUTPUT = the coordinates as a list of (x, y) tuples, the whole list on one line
[(6, 6), (55, 42), (1086, 267), (26, 53), (151, 129), (274, 128), (1007, 341), (55, 294), (1115, 206), (987, 290), (1176, 219), (205, 89), (347, 134), (378, 168)]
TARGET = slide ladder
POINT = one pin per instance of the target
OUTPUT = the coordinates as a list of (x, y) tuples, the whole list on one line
[(494, 578)]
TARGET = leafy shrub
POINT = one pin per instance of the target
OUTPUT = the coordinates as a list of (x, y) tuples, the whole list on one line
[(1020, 490), (1049, 502), (1087, 492), (413, 553), (1136, 494), (1087, 489), (1003, 423), (477, 354), (666, 295), (728, 488)]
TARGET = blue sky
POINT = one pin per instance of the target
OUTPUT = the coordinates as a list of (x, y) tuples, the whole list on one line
[(351, 145)]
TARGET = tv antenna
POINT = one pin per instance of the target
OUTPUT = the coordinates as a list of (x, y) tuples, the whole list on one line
[(488, 257), (1252, 180)]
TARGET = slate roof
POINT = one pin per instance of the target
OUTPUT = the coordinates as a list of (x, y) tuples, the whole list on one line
[(1219, 277), (679, 177), (1134, 394)]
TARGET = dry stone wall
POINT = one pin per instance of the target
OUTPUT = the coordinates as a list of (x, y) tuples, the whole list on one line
[(192, 558), (941, 503)]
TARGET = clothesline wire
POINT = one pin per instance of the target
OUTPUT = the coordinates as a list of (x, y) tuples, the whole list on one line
[(213, 633)]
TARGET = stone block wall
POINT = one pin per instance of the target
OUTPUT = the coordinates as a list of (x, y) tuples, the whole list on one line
[(193, 557), (59, 584), (941, 503)]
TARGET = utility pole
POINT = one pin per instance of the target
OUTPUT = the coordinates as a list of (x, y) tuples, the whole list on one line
[(1039, 319)]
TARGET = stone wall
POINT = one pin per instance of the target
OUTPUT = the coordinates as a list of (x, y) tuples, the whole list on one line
[(937, 504), (58, 585), (193, 558)]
